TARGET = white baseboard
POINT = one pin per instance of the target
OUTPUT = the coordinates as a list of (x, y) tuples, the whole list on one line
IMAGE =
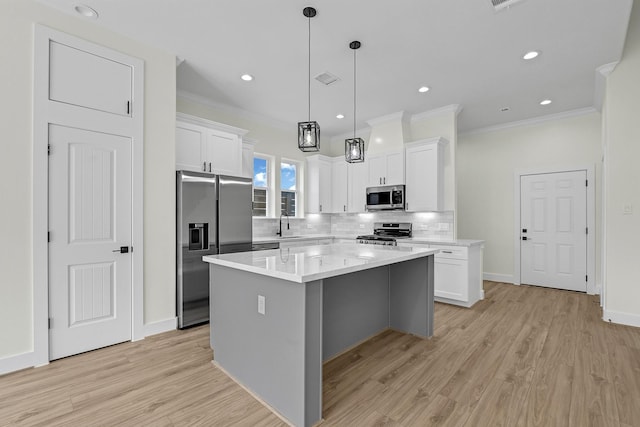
[(17, 362), (628, 319), (160, 326), (496, 277)]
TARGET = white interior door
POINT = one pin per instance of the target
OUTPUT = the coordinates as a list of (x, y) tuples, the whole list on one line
[(553, 230), (89, 222)]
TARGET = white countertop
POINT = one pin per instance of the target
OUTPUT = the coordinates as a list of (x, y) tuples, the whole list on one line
[(308, 263), (424, 240)]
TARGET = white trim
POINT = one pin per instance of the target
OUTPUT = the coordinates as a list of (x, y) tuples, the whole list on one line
[(41, 121), (453, 108), (399, 116), (17, 362), (438, 140), (199, 121), (160, 326), (270, 121), (620, 318), (602, 72), (529, 122), (591, 220), (498, 277)]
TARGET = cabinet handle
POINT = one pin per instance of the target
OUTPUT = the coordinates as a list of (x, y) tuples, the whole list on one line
[(204, 166), (380, 180), (209, 166), (320, 208), (344, 208), (384, 180), (446, 252)]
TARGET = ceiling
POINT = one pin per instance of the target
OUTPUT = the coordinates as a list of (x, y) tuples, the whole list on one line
[(466, 52)]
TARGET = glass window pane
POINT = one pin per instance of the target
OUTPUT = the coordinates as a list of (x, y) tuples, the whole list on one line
[(288, 202), (259, 172), (259, 202), (287, 176)]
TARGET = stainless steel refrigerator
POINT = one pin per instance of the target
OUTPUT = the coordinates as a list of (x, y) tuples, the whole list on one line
[(213, 214)]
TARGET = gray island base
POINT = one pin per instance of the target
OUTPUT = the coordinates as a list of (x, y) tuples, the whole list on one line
[(277, 315)]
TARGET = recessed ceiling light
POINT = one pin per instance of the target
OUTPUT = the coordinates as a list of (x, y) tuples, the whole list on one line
[(340, 116), (531, 55), (423, 89), (86, 11), (246, 77), (545, 102)]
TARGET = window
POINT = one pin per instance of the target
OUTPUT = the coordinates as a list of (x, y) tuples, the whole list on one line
[(260, 186), (288, 187)]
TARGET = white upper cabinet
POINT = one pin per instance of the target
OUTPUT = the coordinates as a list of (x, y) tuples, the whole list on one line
[(88, 80), (206, 146), (248, 148), (189, 143), (386, 169), (318, 184), (339, 185), (357, 180), (424, 175)]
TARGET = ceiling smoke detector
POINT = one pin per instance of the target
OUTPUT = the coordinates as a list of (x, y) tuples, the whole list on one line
[(326, 78), (503, 4)]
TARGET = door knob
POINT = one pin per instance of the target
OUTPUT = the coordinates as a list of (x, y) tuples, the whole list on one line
[(525, 238), (122, 250)]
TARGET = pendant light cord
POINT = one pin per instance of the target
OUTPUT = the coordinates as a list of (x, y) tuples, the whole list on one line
[(354, 93), (309, 73)]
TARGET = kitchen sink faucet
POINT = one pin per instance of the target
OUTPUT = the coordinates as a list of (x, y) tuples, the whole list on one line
[(279, 232)]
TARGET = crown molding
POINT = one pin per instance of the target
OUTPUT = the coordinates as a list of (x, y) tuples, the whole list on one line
[(533, 121), (602, 73), (453, 108), (269, 121), (196, 120), (399, 116)]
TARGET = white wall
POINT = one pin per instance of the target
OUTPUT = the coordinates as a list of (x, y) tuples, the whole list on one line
[(622, 151), (485, 172), (17, 18)]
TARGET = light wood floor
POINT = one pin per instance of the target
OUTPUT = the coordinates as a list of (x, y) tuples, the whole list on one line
[(524, 356)]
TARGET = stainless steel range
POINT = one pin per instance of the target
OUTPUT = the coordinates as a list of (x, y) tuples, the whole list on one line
[(386, 233)]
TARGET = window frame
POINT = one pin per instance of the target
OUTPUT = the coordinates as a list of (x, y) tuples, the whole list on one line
[(269, 187), (297, 192)]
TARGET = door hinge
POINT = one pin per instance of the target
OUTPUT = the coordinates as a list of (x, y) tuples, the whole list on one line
[(128, 107), (48, 149), (586, 278), (49, 322), (48, 236), (586, 182), (587, 230)]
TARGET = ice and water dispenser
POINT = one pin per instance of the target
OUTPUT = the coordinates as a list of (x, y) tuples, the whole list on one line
[(198, 236)]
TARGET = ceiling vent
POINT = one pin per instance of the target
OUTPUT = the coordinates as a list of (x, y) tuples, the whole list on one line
[(503, 4), (326, 78)]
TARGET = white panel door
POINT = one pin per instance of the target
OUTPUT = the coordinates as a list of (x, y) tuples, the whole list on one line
[(89, 221), (553, 230), (85, 79), (395, 169)]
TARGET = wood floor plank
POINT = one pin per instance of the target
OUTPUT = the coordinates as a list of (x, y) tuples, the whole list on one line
[(524, 356)]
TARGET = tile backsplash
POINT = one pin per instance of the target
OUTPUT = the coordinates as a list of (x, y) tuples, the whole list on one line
[(425, 224)]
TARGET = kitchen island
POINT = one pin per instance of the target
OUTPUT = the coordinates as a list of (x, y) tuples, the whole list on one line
[(276, 315)]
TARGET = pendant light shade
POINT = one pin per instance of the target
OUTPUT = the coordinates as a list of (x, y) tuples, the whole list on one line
[(354, 147), (309, 131)]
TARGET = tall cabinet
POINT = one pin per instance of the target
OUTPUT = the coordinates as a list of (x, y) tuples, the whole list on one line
[(424, 175), (207, 146)]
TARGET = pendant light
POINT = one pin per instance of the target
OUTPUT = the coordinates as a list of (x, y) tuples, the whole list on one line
[(309, 132), (354, 147)]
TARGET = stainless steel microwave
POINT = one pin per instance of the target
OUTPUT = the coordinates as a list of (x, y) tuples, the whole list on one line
[(389, 197)]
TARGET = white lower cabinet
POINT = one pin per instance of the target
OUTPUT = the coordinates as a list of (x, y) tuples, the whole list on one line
[(457, 273)]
